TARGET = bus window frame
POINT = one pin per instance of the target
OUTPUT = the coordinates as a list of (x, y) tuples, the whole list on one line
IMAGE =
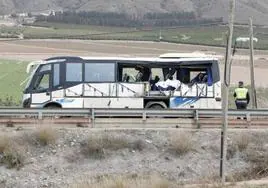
[(36, 78), (37, 74), (115, 80)]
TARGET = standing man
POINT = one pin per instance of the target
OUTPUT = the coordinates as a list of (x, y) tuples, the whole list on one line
[(241, 96)]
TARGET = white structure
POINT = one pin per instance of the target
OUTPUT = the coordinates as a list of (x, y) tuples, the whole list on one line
[(245, 39), (113, 82)]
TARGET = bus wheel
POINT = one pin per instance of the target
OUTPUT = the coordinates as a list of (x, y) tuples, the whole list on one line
[(156, 107), (53, 106)]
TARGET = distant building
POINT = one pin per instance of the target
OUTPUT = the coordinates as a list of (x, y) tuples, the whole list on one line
[(245, 39), (8, 22)]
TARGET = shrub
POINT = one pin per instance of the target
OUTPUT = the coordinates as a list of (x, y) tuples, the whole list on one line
[(11, 153), (96, 145), (13, 156), (181, 143), (4, 141), (238, 143), (46, 135), (242, 141), (257, 156)]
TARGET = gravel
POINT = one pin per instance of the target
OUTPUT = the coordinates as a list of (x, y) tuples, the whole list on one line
[(63, 164)]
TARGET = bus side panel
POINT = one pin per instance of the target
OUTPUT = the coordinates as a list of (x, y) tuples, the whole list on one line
[(114, 89), (69, 102), (40, 98), (99, 89), (101, 102), (194, 102), (74, 91)]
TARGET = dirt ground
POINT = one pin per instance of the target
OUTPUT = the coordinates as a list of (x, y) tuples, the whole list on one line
[(63, 163), (40, 49)]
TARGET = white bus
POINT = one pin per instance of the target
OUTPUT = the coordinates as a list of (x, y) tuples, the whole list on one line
[(115, 82)]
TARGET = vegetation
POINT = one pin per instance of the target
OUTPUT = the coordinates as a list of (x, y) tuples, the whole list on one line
[(96, 145), (181, 143), (11, 153), (12, 81), (126, 182), (125, 20), (255, 153), (213, 35), (46, 135)]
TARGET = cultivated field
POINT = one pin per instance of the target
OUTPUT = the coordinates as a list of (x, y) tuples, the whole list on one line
[(200, 35), (29, 50)]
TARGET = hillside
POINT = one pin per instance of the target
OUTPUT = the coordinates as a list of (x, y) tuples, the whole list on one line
[(205, 8), (82, 158)]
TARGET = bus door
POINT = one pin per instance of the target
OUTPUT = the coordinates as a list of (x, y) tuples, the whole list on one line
[(41, 88)]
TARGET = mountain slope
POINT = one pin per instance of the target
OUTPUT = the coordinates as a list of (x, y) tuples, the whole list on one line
[(204, 8)]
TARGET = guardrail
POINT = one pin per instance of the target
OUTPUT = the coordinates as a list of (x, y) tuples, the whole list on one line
[(191, 118), (144, 113)]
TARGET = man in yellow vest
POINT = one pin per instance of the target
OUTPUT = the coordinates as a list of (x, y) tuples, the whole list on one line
[(241, 96)]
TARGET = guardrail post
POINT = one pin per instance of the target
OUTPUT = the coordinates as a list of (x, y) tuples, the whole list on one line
[(93, 117), (196, 118), (248, 119), (144, 116), (40, 115)]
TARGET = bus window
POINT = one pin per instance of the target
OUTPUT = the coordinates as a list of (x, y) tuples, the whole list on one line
[(157, 72), (42, 82), (74, 72), (99, 72), (56, 75), (198, 77), (136, 74), (129, 74)]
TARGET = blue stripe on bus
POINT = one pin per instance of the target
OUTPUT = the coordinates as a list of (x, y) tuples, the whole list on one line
[(182, 101)]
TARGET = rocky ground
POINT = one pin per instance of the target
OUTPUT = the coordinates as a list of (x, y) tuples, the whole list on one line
[(45, 157)]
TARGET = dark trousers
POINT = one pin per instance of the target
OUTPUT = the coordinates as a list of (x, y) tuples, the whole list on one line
[(241, 104)]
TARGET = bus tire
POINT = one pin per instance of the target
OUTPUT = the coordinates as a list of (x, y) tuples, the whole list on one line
[(52, 106), (158, 105)]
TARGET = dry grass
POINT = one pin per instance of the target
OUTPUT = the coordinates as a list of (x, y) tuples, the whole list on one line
[(95, 146), (181, 143), (256, 154), (239, 143), (11, 152), (124, 182), (242, 141), (45, 135), (4, 141)]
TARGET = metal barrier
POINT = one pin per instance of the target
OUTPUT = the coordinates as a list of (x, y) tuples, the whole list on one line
[(143, 113), (191, 118)]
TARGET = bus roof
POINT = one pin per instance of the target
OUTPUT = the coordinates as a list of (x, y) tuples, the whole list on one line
[(128, 60), (149, 59), (191, 55), (183, 55)]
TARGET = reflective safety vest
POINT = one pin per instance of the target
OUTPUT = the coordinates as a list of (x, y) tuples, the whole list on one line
[(241, 93)]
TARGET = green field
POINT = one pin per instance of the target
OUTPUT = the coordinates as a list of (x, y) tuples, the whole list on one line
[(12, 74), (209, 35)]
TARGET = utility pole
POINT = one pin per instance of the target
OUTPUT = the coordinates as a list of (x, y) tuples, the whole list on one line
[(160, 35), (226, 84), (252, 75)]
